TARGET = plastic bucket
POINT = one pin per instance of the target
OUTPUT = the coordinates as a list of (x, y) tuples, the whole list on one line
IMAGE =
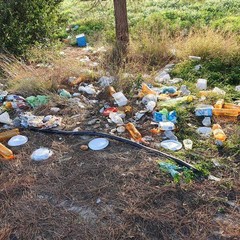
[(81, 40)]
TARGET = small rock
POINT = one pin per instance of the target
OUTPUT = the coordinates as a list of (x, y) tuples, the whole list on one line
[(76, 94), (84, 147), (55, 109), (121, 129), (93, 121)]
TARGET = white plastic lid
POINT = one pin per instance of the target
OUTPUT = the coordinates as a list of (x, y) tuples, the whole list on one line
[(98, 143), (171, 145), (17, 140)]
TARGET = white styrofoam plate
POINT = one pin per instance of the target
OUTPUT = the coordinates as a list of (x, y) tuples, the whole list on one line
[(98, 143), (171, 145)]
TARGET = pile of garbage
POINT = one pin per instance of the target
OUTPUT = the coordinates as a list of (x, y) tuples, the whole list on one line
[(149, 117)]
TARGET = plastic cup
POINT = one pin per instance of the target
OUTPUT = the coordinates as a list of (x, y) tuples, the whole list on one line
[(187, 144)]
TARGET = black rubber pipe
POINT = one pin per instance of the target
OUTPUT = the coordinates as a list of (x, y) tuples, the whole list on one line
[(120, 139)]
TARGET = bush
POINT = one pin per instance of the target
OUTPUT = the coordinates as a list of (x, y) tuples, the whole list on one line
[(25, 22)]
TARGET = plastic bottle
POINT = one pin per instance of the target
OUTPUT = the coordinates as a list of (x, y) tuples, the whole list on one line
[(219, 104), (111, 90), (202, 84), (218, 133), (224, 112), (5, 152), (135, 134), (231, 106), (9, 134), (146, 90)]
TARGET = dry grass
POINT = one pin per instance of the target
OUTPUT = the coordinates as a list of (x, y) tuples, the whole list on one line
[(209, 44), (25, 79)]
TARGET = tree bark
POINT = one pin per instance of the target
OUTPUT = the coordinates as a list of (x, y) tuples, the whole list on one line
[(121, 23)]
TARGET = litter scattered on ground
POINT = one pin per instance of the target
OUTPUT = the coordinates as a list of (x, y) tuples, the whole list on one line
[(149, 115)]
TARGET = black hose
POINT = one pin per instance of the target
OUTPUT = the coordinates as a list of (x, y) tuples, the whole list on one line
[(120, 139)]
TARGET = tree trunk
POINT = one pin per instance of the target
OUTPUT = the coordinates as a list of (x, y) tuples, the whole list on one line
[(121, 23)]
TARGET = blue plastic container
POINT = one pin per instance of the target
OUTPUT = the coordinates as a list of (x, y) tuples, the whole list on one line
[(81, 40)]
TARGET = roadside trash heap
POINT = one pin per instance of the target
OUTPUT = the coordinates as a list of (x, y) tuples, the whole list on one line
[(149, 117)]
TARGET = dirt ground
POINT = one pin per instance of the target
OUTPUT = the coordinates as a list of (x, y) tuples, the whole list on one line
[(117, 193)]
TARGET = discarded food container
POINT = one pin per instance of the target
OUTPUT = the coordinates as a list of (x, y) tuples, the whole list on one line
[(135, 134), (204, 110), (41, 154), (218, 91), (120, 99), (8, 134), (166, 126), (206, 122), (5, 152), (150, 106), (5, 118), (98, 144), (204, 131), (171, 145), (218, 133), (202, 84), (17, 141), (81, 40), (187, 144)]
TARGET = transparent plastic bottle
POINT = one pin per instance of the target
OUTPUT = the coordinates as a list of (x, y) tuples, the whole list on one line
[(111, 90), (224, 112), (5, 152), (218, 133), (135, 134), (9, 134)]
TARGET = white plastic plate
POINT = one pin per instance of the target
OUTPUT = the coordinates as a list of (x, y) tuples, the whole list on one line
[(98, 143), (171, 145)]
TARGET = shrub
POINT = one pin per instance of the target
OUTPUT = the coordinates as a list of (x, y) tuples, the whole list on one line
[(25, 22)]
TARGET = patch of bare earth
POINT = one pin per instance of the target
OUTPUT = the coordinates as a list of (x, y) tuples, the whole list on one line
[(117, 193)]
